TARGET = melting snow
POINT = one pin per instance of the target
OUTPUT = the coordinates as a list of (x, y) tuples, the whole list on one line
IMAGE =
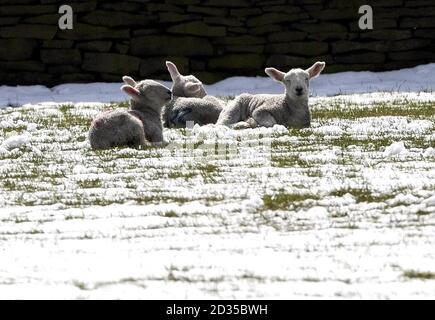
[(347, 220), (16, 141), (418, 82), (395, 149), (429, 152)]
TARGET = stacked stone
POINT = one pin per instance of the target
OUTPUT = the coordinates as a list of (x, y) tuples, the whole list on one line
[(213, 39)]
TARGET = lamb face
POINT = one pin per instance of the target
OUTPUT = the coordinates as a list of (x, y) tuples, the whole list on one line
[(148, 93), (185, 86), (296, 81)]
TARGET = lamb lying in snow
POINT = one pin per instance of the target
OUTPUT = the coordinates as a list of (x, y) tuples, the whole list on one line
[(290, 109), (190, 101), (138, 127)]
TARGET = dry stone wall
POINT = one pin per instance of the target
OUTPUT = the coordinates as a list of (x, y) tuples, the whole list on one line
[(213, 39)]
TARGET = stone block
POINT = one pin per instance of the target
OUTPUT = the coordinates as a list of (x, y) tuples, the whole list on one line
[(118, 19), (386, 34), (287, 36), (27, 10), (274, 18), (220, 12), (111, 63), (29, 31), (17, 49), (171, 45), (244, 48), (84, 32), (58, 44), (414, 55), (27, 65), (237, 61), (152, 66), (298, 48), (99, 46), (361, 58), (61, 56), (198, 28)]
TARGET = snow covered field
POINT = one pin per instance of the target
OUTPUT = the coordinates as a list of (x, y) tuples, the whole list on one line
[(344, 209)]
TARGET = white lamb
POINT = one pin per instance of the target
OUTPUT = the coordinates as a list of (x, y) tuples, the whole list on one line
[(190, 101), (289, 109), (185, 86), (138, 127)]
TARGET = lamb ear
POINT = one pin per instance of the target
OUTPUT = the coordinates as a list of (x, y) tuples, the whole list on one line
[(315, 69), (193, 87), (129, 80), (275, 74), (173, 71), (132, 92)]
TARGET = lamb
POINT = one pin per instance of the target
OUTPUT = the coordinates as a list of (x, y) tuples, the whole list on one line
[(190, 101), (185, 86), (140, 126), (290, 109)]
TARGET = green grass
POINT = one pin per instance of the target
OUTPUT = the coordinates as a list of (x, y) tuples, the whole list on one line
[(413, 110), (71, 194), (374, 144), (182, 175), (171, 214), (412, 274), (88, 184), (9, 132), (9, 185), (284, 201), (289, 161), (65, 108), (362, 195), (67, 129)]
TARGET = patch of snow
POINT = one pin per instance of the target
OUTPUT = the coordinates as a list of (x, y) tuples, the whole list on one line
[(329, 130), (395, 148), (411, 80), (16, 142), (3, 151), (317, 212), (9, 124), (251, 204), (419, 126), (325, 156), (429, 201), (403, 199), (32, 127), (92, 225), (36, 151), (430, 152), (277, 128), (6, 124)]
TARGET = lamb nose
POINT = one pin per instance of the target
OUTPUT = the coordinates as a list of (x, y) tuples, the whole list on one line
[(299, 89)]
